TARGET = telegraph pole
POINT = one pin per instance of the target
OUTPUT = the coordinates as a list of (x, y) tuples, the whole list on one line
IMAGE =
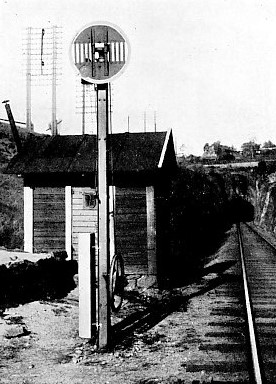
[(54, 83), (83, 108), (28, 81), (42, 48), (145, 121)]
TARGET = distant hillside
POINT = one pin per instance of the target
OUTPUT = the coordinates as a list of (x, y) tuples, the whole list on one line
[(11, 192)]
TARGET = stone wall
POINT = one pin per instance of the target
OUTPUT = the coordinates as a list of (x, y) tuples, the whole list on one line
[(25, 281), (262, 195), (140, 281)]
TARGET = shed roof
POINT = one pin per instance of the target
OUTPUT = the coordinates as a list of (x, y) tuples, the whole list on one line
[(130, 152)]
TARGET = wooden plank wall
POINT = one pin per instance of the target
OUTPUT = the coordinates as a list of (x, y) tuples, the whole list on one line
[(84, 220), (49, 219), (131, 228), (151, 231)]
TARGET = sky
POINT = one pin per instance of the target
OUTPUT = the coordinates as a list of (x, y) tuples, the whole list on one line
[(206, 68)]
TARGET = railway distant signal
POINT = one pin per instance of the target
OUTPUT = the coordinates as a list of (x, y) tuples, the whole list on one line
[(100, 53)]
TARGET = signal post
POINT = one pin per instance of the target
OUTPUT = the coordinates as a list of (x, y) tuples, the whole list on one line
[(103, 218)]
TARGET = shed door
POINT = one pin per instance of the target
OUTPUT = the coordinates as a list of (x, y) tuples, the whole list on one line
[(131, 228), (49, 219)]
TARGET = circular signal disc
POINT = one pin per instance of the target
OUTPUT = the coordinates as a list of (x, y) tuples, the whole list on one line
[(100, 52)]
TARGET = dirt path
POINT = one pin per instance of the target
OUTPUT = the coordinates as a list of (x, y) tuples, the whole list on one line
[(39, 341)]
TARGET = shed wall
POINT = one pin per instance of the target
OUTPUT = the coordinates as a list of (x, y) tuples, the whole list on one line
[(131, 228), (134, 223), (84, 220), (48, 219)]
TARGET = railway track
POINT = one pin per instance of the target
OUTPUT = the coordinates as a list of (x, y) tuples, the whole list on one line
[(258, 259), (238, 344)]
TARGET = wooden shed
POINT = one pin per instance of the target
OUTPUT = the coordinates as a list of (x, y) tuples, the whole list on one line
[(60, 198)]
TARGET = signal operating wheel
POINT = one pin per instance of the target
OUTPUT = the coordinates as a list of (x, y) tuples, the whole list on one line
[(116, 282)]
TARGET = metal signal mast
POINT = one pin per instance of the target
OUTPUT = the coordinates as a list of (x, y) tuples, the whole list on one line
[(100, 53)]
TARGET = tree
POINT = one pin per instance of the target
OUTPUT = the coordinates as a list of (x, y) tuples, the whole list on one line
[(268, 144), (226, 154), (250, 149), (206, 148), (217, 147)]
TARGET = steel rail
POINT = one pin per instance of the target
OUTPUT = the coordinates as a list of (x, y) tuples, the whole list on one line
[(255, 230), (249, 312)]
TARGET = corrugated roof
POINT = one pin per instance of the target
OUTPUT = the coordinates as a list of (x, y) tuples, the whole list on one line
[(131, 152)]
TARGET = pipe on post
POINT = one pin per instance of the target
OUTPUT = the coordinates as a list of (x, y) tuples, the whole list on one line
[(13, 126)]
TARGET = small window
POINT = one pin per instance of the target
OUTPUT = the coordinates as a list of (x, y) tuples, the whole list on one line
[(89, 200)]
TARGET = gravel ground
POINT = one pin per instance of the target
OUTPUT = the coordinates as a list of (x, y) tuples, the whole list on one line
[(39, 341)]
